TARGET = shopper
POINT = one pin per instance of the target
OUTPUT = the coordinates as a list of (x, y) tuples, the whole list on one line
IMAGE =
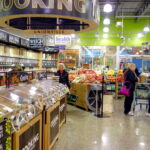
[(63, 75), (130, 81), (148, 113)]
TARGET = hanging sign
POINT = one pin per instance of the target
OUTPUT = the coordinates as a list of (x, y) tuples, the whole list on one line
[(24, 43), (3, 36), (77, 10), (36, 42), (14, 39), (62, 40)]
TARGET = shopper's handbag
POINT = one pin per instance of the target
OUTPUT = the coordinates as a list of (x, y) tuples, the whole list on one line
[(125, 90)]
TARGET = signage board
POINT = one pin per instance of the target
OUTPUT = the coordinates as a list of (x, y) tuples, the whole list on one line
[(49, 31), (30, 139), (3, 36), (5, 144), (5, 129), (51, 49), (36, 42), (62, 40), (24, 77), (24, 43), (14, 39), (5, 135), (42, 75), (54, 123)]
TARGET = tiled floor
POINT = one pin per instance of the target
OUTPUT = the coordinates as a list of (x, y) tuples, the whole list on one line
[(83, 131)]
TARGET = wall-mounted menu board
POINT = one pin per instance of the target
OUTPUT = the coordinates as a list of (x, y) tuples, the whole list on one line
[(3, 36), (14, 39)]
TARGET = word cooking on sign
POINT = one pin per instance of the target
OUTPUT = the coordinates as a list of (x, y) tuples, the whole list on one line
[(79, 5)]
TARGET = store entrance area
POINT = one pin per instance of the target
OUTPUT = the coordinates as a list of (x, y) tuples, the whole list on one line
[(83, 131)]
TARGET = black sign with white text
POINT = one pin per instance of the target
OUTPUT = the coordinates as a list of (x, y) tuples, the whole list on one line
[(36, 42), (30, 139)]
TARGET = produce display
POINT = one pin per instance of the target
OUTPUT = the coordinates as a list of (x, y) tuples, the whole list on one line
[(91, 76)]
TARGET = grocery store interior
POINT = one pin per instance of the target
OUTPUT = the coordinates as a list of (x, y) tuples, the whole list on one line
[(75, 75)]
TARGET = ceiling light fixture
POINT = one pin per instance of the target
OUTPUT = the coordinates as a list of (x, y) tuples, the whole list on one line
[(105, 36), (140, 35), (146, 29), (106, 21), (73, 35), (107, 8), (78, 41), (106, 29)]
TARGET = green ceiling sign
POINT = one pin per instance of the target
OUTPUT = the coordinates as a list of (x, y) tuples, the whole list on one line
[(131, 29)]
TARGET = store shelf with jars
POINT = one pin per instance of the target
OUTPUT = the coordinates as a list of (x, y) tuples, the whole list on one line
[(69, 58), (50, 60)]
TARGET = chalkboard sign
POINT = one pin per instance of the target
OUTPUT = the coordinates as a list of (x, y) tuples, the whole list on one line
[(24, 77), (14, 39), (5, 135), (30, 139), (36, 42), (5, 143), (3, 36), (42, 75), (54, 124), (5, 129)]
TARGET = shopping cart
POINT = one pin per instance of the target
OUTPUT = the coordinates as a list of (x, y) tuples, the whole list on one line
[(142, 95)]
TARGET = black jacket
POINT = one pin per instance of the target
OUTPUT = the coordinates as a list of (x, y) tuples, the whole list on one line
[(63, 78), (130, 79)]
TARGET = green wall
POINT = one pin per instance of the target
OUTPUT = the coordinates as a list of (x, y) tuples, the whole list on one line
[(131, 29)]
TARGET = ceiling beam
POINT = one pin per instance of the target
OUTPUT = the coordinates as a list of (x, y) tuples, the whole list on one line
[(143, 9)]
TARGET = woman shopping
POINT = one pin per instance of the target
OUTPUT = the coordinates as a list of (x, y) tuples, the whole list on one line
[(63, 75), (130, 78)]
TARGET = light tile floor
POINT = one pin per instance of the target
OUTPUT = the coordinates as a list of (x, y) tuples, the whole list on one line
[(83, 131)]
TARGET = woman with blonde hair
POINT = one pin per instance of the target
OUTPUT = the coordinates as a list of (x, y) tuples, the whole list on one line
[(63, 74), (130, 79)]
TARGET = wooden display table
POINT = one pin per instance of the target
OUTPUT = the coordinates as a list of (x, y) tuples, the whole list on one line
[(51, 126), (81, 91), (29, 136)]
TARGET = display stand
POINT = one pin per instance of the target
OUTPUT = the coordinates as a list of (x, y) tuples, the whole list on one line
[(29, 136), (62, 111), (51, 126)]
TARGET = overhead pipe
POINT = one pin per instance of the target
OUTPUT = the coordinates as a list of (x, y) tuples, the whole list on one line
[(132, 16)]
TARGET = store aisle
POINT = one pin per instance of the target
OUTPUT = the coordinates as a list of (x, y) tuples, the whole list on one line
[(83, 131)]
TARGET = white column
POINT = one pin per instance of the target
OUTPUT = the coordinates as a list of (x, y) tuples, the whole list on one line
[(117, 57)]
